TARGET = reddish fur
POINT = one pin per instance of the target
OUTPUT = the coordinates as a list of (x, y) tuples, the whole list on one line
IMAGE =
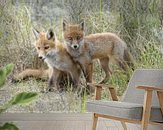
[(63, 62), (37, 73), (102, 46), (58, 62)]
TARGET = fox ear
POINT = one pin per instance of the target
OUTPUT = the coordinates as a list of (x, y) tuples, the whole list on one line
[(81, 25), (36, 33), (50, 35), (65, 23)]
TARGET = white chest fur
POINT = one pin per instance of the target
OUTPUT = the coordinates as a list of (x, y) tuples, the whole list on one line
[(54, 60)]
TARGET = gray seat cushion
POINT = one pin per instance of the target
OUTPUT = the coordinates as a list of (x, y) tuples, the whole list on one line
[(125, 110)]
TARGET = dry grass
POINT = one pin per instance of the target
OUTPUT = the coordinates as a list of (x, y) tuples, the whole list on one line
[(46, 102), (15, 47)]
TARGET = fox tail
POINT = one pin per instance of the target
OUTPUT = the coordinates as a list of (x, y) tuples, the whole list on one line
[(129, 59), (36, 73)]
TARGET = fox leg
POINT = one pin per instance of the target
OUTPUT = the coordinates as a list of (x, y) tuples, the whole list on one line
[(105, 66), (75, 74), (50, 80), (88, 74), (56, 78), (53, 77), (86, 65)]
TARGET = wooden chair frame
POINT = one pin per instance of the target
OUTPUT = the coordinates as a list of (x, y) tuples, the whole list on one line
[(146, 106)]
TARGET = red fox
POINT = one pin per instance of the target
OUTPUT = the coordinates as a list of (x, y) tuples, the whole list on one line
[(102, 46), (58, 60)]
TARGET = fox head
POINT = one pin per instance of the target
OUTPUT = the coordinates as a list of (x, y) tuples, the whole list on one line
[(73, 35), (45, 43)]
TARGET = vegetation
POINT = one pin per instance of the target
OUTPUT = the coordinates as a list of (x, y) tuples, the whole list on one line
[(19, 99), (136, 22)]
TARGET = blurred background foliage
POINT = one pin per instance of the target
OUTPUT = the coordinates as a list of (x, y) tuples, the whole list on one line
[(137, 22), (19, 99)]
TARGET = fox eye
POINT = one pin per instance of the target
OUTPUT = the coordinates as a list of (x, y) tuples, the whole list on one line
[(38, 48), (47, 47), (70, 38), (78, 37)]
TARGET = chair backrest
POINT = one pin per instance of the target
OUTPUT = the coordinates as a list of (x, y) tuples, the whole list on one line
[(147, 77)]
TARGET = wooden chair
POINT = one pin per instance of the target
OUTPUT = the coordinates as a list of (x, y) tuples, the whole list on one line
[(142, 102)]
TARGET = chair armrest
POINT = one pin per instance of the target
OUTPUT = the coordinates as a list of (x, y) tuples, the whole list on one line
[(150, 88), (148, 100), (148, 96), (98, 89)]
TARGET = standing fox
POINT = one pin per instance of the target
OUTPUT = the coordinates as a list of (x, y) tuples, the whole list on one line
[(58, 60), (102, 46)]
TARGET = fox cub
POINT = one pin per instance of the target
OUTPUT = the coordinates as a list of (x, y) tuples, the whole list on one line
[(102, 46), (55, 55)]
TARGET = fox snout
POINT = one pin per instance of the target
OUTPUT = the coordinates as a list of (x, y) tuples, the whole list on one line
[(42, 57), (75, 46)]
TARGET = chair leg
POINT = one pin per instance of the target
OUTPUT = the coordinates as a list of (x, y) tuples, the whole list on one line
[(146, 110), (144, 126), (160, 98), (124, 125), (94, 123)]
